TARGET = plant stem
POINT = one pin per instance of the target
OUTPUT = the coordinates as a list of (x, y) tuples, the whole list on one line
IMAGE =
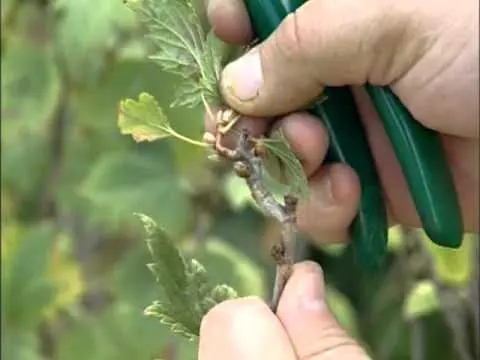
[(187, 139), (417, 340), (250, 167)]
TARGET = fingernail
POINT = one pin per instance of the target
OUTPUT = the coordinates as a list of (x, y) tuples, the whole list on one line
[(323, 191), (243, 77), (310, 292)]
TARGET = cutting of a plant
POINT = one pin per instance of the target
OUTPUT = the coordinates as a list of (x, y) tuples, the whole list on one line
[(273, 173)]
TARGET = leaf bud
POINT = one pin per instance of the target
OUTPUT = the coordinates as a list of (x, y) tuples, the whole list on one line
[(241, 169), (259, 149)]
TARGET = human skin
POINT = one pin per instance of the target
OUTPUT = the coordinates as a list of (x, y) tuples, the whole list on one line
[(303, 328), (427, 52)]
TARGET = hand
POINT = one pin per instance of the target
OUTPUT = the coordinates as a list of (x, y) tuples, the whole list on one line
[(303, 329), (426, 51)]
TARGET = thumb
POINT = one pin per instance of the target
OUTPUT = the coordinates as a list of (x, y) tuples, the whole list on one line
[(312, 328), (345, 42)]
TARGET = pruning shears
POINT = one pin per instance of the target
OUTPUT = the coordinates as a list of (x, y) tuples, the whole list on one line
[(417, 148)]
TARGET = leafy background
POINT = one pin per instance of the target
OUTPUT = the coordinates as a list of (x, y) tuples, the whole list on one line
[(74, 282)]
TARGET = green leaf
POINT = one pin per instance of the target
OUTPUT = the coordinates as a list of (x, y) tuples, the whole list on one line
[(125, 182), (237, 192), (26, 286), (283, 165), (93, 131), (229, 265), (187, 292), (30, 88), (20, 345), (343, 310), (86, 31), (453, 267), (146, 121), (395, 241), (183, 47), (421, 300), (143, 119), (120, 332), (333, 249), (188, 94)]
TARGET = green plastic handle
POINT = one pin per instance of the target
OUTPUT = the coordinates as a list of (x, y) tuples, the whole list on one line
[(369, 230), (420, 154)]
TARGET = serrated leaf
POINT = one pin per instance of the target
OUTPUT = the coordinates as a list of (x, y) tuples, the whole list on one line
[(183, 48), (283, 165), (143, 119), (188, 94), (222, 293), (187, 292), (422, 299), (167, 259)]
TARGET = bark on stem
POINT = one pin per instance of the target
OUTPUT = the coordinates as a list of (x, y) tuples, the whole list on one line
[(250, 167)]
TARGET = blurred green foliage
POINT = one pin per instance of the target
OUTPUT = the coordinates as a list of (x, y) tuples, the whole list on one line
[(74, 279)]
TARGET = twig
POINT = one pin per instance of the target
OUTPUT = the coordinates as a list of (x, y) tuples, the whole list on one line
[(250, 167), (417, 340)]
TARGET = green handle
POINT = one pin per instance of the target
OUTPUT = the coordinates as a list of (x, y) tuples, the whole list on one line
[(340, 116), (421, 157)]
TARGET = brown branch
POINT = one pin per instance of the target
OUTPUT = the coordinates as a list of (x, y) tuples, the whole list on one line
[(248, 165)]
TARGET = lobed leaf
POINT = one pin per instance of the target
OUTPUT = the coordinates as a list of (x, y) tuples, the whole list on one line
[(143, 119), (183, 47), (186, 286)]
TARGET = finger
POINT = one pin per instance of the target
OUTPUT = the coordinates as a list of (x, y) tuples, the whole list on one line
[(243, 329), (314, 47), (332, 206), (229, 20), (312, 328), (306, 135), (255, 126), (308, 139)]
